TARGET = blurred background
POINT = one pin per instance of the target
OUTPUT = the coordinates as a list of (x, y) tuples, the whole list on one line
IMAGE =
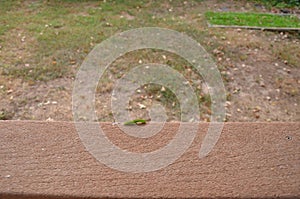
[(43, 43)]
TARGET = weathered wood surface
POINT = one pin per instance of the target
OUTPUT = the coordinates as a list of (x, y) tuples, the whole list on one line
[(48, 160)]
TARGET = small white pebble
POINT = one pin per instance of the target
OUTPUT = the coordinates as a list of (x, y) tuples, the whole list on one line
[(7, 176), (49, 119), (142, 106)]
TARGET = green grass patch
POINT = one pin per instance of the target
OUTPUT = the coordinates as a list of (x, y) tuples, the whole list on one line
[(40, 73), (65, 31), (252, 19)]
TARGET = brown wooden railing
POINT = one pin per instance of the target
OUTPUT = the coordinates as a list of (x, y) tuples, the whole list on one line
[(48, 160)]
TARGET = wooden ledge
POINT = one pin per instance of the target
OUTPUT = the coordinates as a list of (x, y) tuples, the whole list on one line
[(48, 160)]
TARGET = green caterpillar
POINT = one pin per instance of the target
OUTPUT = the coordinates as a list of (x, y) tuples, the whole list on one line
[(137, 121)]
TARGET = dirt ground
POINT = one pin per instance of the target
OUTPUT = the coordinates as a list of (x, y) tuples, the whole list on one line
[(260, 70)]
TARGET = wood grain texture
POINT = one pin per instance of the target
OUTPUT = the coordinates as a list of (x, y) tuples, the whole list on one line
[(48, 160)]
